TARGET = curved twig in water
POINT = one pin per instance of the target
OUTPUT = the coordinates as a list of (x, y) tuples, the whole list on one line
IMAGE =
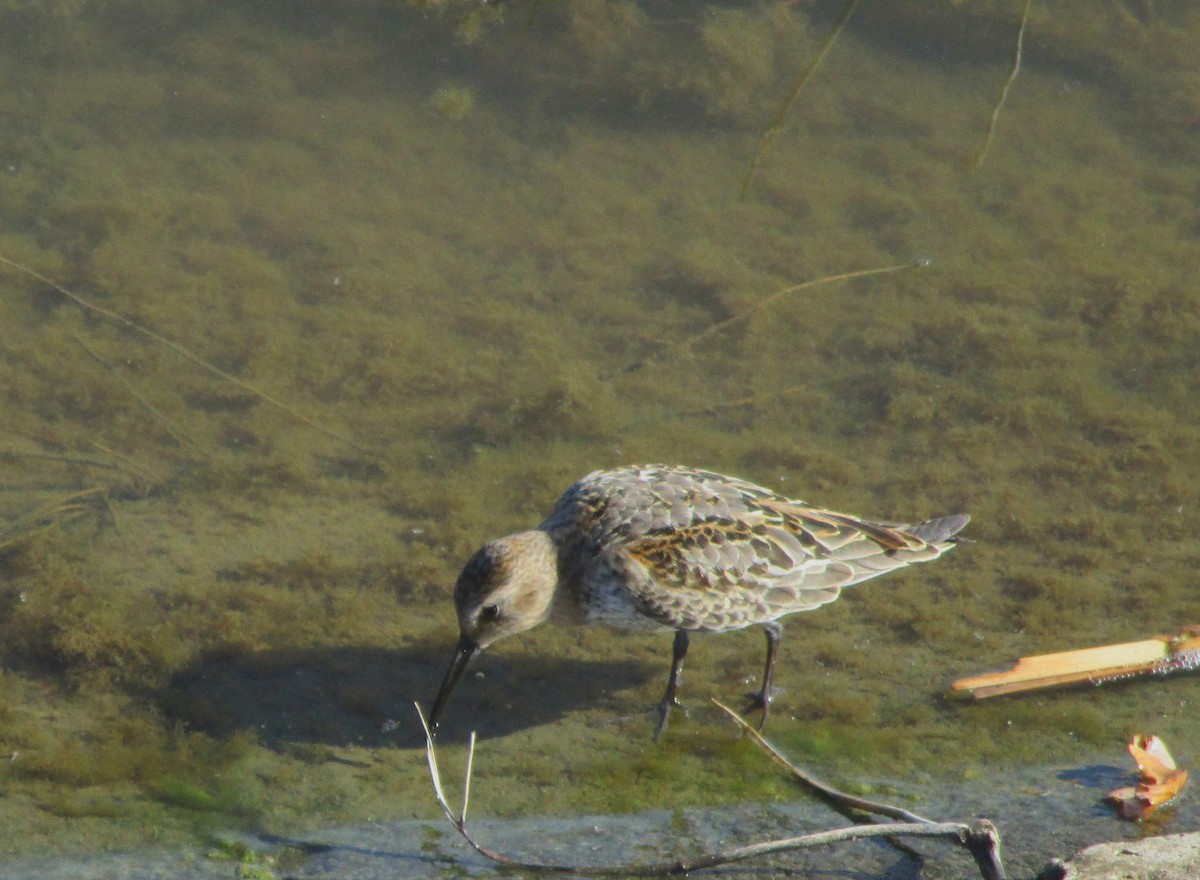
[(981, 837)]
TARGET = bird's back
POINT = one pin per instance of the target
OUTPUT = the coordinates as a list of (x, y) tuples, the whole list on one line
[(692, 549)]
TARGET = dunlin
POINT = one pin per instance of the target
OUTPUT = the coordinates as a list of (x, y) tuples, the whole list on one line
[(666, 548)]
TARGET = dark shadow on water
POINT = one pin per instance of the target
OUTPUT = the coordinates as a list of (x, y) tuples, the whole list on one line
[(365, 696), (1102, 777), (1099, 779)]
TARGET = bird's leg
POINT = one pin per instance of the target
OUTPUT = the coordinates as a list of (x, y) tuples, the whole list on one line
[(678, 652), (762, 699)]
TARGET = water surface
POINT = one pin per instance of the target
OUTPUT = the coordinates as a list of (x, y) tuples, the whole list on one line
[(440, 238)]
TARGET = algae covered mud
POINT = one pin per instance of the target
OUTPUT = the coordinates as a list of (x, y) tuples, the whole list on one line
[(443, 234)]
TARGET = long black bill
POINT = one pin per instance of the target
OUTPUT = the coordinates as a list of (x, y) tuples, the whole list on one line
[(466, 650)]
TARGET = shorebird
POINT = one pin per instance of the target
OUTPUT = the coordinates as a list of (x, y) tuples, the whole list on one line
[(660, 547)]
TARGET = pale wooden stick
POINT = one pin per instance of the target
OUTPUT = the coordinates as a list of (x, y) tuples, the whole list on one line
[(1159, 655)]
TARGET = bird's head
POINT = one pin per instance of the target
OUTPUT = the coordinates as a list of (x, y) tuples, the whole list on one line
[(505, 588)]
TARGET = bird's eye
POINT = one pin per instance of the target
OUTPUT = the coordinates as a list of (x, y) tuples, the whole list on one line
[(488, 613)]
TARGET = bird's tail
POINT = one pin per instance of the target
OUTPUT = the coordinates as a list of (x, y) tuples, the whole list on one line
[(941, 530)]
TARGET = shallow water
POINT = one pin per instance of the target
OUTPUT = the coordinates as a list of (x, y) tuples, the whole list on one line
[(1055, 812), (459, 260)]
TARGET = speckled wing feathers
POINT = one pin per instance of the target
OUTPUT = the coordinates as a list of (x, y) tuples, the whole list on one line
[(699, 550)]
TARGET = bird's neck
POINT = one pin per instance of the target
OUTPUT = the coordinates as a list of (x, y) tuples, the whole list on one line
[(554, 566), (535, 560)]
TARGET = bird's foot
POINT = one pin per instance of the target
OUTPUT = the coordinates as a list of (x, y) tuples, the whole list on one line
[(664, 712), (760, 700)]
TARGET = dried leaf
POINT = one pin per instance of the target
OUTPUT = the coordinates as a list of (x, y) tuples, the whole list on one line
[(1161, 780)]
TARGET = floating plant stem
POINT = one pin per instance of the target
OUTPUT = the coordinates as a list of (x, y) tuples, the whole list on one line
[(183, 352), (171, 427), (758, 306), (46, 517), (785, 107), (1004, 89)]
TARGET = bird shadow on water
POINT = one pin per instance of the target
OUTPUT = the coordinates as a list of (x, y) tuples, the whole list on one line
[(365, 696)]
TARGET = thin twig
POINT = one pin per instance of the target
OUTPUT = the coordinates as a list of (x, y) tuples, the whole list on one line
[(758, 306), (42, 518), (824, 789), (112, 512), (467, 776), (68, 459), (172, 429), (803, 285), (1008, 82), (146, 480), (777, 120), (68, 504), (753, 400), (980, 835), (183, 352)]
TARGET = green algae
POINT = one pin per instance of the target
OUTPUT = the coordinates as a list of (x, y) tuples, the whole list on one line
[(453, 101), (229, 630), (187, 795)]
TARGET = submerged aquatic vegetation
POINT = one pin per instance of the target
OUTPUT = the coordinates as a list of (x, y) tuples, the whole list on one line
[(256, 602), (454, 102)]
